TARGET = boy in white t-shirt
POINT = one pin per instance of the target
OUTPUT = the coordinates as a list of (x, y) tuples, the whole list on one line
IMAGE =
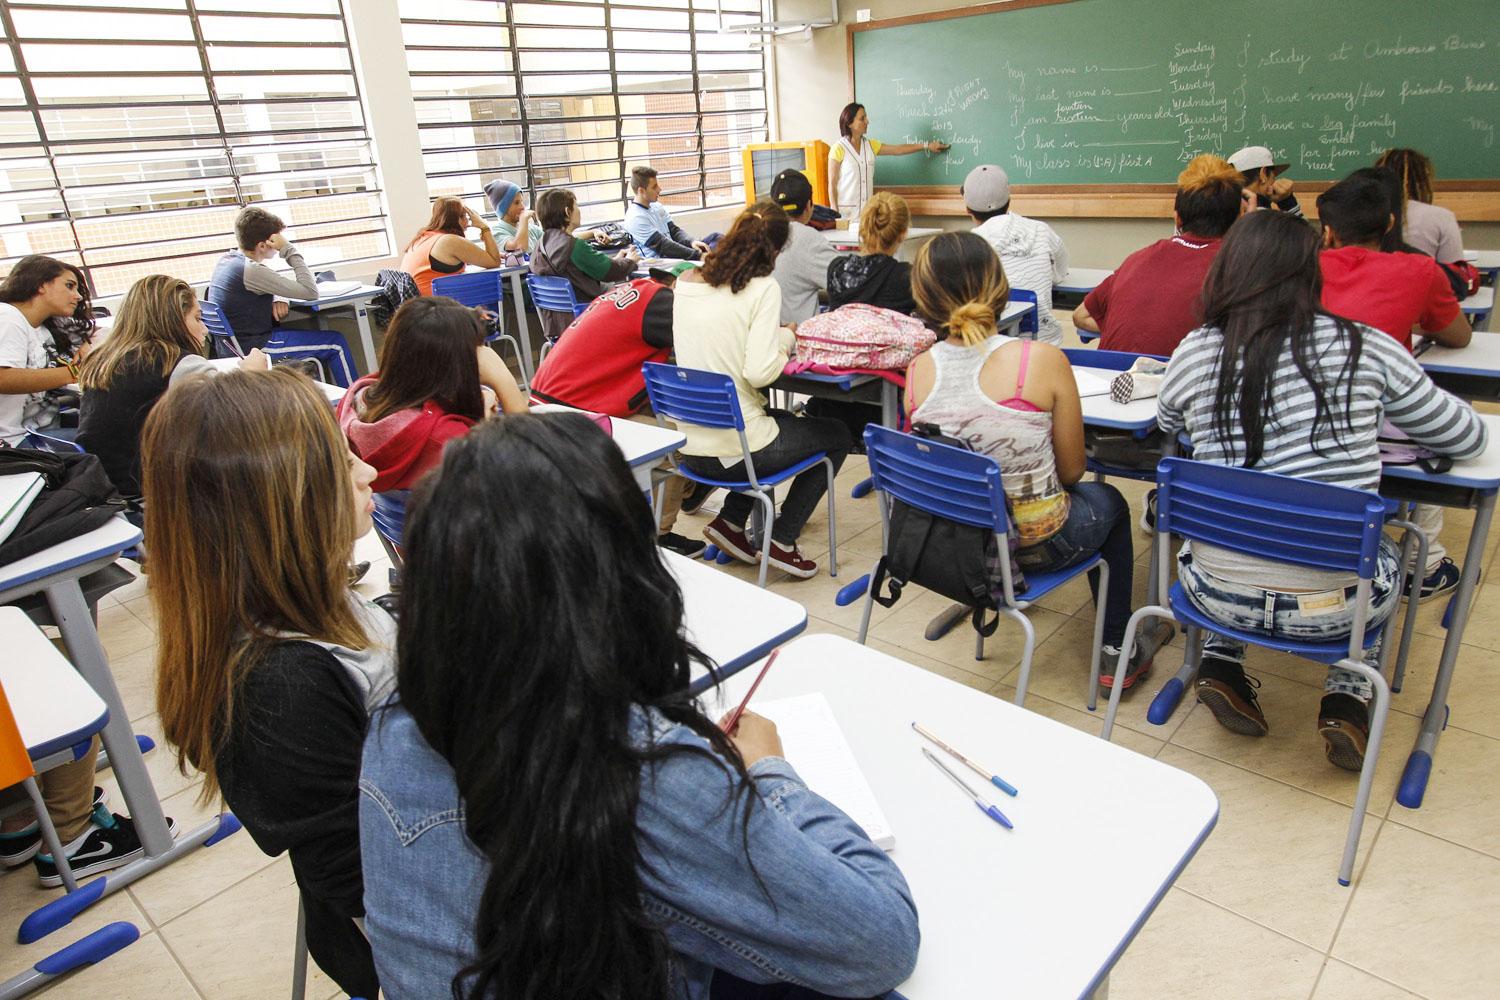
[(1031, 252), (38, 289)]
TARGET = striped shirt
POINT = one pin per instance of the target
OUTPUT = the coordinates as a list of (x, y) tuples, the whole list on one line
[(1034, 258), (1387, 384)]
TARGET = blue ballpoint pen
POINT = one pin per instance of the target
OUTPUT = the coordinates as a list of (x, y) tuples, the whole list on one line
[(985, 807), (995, 779)]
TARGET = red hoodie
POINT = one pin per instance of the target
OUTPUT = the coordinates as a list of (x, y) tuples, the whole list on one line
[(402, 445)]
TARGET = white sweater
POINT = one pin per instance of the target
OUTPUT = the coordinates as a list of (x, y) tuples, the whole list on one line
[(1034, 258)]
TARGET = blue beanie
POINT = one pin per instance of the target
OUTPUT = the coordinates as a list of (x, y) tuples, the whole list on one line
[(501, 194)]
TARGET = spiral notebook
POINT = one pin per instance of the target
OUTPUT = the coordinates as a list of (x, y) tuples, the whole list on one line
[(815, 745)]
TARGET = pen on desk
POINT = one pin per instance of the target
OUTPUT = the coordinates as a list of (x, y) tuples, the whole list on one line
[(993, 779), (987, 808), (734, 717)]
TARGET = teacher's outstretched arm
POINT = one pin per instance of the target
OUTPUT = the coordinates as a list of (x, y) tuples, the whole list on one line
[(901, 149)]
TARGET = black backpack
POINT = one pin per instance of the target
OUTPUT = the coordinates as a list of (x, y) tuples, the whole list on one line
[(76, 498)]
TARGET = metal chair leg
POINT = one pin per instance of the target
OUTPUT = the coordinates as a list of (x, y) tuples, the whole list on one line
[(1126, 648), (1023, 677), (299, 953), (864, 618), (1379, 708), (1099, 607), (765, 543), (49, 834), (833, 547)]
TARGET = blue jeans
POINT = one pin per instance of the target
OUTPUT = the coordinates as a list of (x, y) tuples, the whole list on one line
[(1278, 613), (1098, 522)]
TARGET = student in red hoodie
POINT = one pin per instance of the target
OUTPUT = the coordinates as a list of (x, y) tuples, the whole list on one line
[(437, 379)]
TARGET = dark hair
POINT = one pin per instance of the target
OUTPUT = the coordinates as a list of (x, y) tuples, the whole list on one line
[(1264, 290), (447, 217), (572, 625), (959, 286), (253, 226), (846, 117), (553, 207), (792, 191), (429, 354), (1209, 207), (640, 177), (750, 247), (25, 280), (1391, 241), (1413, 170), (983, 217), (1357, 209)]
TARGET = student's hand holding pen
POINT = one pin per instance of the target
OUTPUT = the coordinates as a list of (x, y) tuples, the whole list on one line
[(754, 736)]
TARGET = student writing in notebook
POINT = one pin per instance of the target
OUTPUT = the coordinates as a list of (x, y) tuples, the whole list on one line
[(585, 830), (37, 290)]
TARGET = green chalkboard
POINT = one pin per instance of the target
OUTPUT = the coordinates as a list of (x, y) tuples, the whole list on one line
[(1126, 91)]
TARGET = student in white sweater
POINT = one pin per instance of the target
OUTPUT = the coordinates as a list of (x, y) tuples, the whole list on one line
[(1031, 252), (724, 315)]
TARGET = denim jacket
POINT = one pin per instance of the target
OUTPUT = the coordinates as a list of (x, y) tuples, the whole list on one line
[(842, 922)]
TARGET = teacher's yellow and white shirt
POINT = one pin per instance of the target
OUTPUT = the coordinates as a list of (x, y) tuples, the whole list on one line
[(856, 175)]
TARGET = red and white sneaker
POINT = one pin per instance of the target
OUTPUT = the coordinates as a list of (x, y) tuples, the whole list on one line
[(732, 540), (792, 561)]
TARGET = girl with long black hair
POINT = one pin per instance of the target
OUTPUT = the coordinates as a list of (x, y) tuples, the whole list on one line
[(1274, 382), (545, 814)]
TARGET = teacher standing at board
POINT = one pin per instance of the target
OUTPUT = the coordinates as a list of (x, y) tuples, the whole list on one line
[(851, 162)]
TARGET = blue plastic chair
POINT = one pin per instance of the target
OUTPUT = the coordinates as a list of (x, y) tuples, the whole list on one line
[(708, 399), (485, 289), (554, 293), (1296, 521), (389, 516), (965, 486), (331, 353), (49, 442), (1031, 322)]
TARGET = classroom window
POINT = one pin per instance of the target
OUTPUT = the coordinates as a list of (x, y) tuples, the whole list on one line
[(588, 89), (131, 132)]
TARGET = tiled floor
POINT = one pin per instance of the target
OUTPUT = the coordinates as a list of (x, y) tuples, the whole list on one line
[(1258, 914)]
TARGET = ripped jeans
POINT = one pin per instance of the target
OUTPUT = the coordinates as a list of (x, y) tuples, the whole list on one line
[(1288, 615)]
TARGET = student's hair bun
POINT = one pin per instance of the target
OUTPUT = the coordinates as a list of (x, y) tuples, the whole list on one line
[(972, 322), (1206, 170), (883, 222)]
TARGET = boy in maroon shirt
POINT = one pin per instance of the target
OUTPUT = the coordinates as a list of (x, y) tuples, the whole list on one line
[(1151, 302)]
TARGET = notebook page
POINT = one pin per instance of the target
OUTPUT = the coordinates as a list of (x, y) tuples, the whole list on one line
[(815, 745), (16, 494), (1090, 384), (332, 289)]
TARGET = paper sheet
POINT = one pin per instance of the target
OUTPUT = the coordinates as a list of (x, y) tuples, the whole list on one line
[(1090, 384)]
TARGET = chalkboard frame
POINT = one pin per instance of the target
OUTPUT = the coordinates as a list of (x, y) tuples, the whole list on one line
[(1470, 200)]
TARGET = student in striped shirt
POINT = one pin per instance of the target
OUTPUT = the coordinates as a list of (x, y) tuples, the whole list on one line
[(1274, 382)]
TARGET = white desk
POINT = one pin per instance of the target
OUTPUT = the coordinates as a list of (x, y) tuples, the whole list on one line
[(644, 445), (357, 299), (1081, 280), (54, 707), (1479, 307), (734, 622), (1102, 411), (333, 393), (1024, 913), (1485, 261)]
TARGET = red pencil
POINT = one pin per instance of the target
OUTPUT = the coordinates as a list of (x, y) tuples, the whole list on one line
[(734, 717)]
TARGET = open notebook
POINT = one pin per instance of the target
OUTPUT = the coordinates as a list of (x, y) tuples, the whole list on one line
[(333, 289), (812, 740), (1089, 383), (16, 494)]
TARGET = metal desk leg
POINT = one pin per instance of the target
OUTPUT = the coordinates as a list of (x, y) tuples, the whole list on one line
[(366, 338), (523, 322), (1419, 764), (1153, 588)]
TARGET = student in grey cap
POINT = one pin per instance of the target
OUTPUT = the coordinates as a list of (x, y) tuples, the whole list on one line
[(1263, 179), (1031, 252)]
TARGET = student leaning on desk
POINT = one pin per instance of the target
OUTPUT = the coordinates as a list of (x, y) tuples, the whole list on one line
[(38, 291), (585, 830)]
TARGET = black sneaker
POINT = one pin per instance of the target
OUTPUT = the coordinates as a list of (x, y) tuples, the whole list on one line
[(1229, 693), (98, 849), (1344, 722), (1148, 513), (1439, 583), (20, 847), (683, 546), (695, 495)]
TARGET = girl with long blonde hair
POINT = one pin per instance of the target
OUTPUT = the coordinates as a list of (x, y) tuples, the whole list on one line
[(268, 664), (1017, 401)]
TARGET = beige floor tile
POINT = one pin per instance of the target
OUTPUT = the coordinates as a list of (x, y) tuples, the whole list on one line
[(818, 596), (1292, 752), (262, 912), (202, 874), (1273, 857), (1345, 982), (135, 676), (1193, 950), (20, 895), (1002, 651), (1474, 696), (143, 609), (1088, 722), (1462, 803), (1425, 917), (161, 765), (122, 633), (143, 971)]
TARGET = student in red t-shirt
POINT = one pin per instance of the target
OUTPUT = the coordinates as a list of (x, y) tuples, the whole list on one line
[(1393, 292), (596, 366), (1151, 302)]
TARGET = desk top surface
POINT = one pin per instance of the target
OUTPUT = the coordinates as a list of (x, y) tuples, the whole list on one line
[(53, 705), (1480, 357), (353, 295), (850, 237), (1030, 912), (640, 442), (733, 621), (1484, 260), (1082, 279), (1481, 473), (110, 539)]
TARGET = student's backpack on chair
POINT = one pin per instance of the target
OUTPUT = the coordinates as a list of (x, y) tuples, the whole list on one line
[(76, 498)]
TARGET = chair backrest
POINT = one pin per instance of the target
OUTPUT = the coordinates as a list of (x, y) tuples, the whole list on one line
[(941, 479), (48, 442), (1262, 514), (705, 399), (475, 288), (1091, 357), (218, 327), (1031, 322), (389, 514), (554, 293)]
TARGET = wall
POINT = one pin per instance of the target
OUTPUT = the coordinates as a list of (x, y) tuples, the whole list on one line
[(812, 85)]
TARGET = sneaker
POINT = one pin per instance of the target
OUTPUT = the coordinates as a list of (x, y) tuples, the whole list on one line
[(20, 847), (681, 545), (1229, 693), (357, 571), (792, 561), (1344, 723), (1138, 669), (694, 496), (98, 849), (1439, 583), (1148, 513), (732, 540)]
